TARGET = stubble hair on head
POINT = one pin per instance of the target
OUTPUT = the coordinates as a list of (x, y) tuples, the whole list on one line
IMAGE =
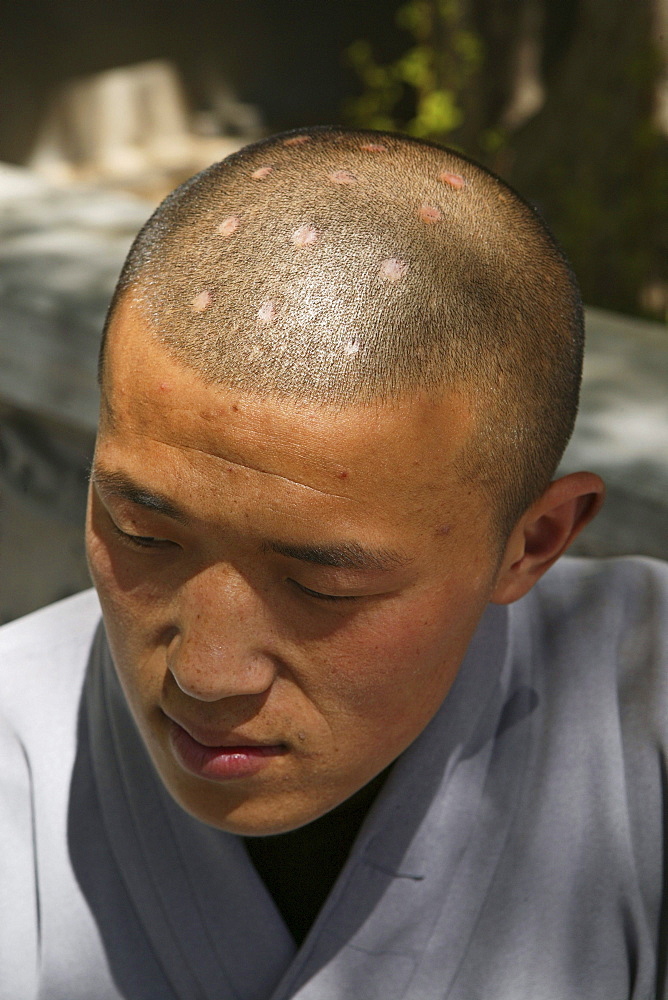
[(347, 267)]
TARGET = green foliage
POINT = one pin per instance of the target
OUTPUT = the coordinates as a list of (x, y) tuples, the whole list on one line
[(590, 157), (421, 91)]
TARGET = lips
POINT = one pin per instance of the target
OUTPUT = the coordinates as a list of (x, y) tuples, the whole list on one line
[(231, 759)]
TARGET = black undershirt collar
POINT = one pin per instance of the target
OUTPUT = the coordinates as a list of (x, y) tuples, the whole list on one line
[(300, 867)]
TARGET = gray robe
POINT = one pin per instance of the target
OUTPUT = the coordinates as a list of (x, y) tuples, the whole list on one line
[(516, 850)]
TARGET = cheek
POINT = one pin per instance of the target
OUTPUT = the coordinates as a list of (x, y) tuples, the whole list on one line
[(134, 584), (392, 672), (132, 619)]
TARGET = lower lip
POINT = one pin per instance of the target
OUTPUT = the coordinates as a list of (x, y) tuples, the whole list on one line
[(219, 763)]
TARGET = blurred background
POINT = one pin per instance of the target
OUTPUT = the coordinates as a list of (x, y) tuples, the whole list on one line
[(105, 107)]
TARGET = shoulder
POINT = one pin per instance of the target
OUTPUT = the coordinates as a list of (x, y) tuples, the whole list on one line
[(596, 631), (634, 583), (43, 658), (52, 622), (602, 599)]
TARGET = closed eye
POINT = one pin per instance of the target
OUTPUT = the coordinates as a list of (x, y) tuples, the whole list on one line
[(142, 541), (324, 597)]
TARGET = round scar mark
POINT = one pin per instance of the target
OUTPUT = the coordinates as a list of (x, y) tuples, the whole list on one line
[(393, 269), (374, 147), (429, 213), (267, 312), (229, 225), (261, 173), (297, 140), (304, 236), (342, 177), (352, 346), (452, 180), (201, 302)]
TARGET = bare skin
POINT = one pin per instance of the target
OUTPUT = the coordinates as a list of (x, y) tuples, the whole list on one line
[(216, 522)]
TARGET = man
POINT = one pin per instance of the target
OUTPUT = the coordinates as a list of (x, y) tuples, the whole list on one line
[(337, 737)]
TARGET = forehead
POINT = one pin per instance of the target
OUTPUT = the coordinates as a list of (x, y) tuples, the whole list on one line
[(408, 451)]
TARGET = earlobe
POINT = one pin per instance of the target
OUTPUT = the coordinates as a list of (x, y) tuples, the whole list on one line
[(545, 531)]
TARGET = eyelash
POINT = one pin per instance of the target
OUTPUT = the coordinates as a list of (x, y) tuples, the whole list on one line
[(141, 541), (324, 597)]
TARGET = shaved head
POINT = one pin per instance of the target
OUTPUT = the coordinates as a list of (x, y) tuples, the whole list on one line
[(361, 267)]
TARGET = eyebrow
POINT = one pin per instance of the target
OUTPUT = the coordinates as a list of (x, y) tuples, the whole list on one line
[(348, 555), (119, 485), (344, 555)]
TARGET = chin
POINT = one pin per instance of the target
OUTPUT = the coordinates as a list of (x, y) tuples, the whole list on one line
[(245, 814)]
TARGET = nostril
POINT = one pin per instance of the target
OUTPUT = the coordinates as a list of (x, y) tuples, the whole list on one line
[(181, 684), (212, 673)]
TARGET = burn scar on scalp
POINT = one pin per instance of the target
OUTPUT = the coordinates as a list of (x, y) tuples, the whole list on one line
[(392, 269), (261, 173), (453, 180), (229, 225), (202, 302), (304, 236), (429, 213), (297, 140), (352, 346), (342, 177), (267, 311), (374, 147)]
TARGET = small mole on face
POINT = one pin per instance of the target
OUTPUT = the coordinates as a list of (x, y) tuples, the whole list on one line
[(297, 140), (261, 173), (229, 225), (267, 312), (429, 213), (374, 147), (304, 236), (202, 302), (342, 177), (235, 408), (453, 180), (393, 269)]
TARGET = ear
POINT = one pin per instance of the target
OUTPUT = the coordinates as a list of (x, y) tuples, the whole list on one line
[(545, 531)]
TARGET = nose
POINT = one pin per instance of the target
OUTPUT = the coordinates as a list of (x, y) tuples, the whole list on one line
[(217, 649)]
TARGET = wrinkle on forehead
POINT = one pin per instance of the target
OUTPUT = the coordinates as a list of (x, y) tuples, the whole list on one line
[(182, 446)]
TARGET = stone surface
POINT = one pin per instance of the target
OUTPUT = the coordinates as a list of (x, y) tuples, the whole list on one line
[(130, 128), (622, 434), (60, 253)]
